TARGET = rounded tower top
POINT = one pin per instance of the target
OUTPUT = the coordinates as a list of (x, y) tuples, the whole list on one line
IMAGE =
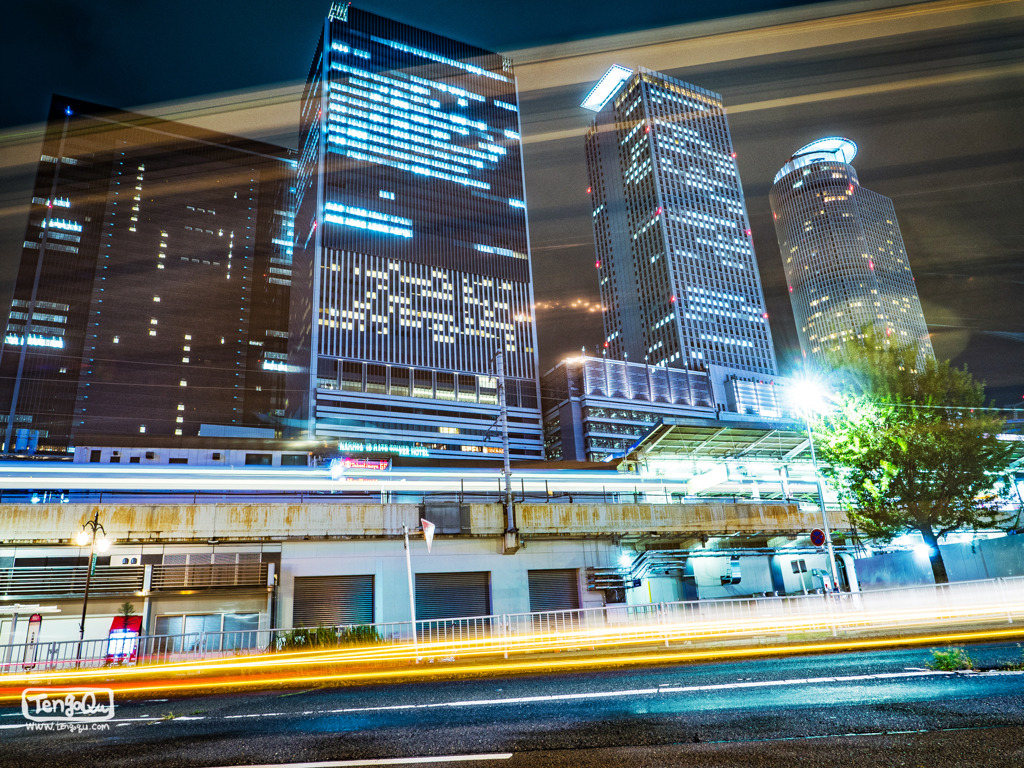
[(829, 148)]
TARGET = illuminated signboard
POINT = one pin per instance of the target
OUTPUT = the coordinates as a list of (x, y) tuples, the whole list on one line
[(394, 449), (123, 639), (379, 464)]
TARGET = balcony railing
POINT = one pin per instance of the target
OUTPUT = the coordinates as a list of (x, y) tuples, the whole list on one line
[(209, 576), (69, 581)]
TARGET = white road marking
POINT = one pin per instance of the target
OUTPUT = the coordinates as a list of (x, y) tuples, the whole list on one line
[(646, 691), (391, 761)]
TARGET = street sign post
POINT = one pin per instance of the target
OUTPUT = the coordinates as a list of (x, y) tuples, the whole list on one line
[(28, 658), (428, 534), (817, 537)]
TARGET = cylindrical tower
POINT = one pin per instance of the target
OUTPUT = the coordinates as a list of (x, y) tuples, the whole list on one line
[(845, 262)]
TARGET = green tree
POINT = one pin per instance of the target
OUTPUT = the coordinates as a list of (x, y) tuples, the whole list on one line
[(911, 446)]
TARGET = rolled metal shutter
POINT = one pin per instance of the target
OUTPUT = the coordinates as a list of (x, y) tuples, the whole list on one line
[(330, 600), (452, 595), (554, 590)]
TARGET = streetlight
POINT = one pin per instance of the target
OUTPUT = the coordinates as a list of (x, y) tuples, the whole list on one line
[(808, 398), (95, 536)]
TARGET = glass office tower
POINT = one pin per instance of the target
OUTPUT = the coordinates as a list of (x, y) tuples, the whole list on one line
[(149, 289), (675, 261), (412, 261), (843, 254)]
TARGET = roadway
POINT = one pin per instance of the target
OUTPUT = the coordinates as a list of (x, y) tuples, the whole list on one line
[(865, 709)]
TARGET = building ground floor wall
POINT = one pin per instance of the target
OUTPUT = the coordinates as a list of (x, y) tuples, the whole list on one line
[(361, 581), (987, 558), (175, 615)]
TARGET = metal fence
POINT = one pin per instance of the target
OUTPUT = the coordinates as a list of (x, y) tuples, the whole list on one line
[(957, 604), (651, 493)]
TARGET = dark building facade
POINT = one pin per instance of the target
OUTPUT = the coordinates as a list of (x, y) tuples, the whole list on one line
[(153, 282), (412, 261)]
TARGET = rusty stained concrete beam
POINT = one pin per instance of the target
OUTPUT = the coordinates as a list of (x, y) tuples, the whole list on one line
[(58, 523)]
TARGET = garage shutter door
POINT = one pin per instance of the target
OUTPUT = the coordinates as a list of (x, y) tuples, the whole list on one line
[(554, 590), (330, 600), (452, 595)]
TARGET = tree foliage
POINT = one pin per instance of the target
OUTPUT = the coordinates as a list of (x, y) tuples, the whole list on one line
[(911, 446)]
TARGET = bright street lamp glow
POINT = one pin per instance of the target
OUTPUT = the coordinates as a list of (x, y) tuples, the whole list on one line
[(808, 397), (82, 539), (102, 543)]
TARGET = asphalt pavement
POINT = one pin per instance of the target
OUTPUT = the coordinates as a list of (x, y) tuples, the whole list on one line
[(868, 708)]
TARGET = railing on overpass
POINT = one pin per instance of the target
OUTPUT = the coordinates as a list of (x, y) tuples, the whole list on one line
[(649, 494), (809, 616)]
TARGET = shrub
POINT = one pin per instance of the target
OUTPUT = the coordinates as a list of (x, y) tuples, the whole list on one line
[(950, 660), (327, 637)]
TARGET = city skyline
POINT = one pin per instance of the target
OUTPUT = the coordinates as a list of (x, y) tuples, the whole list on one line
[(953, 213)]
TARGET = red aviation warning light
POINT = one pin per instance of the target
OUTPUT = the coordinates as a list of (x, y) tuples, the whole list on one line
[(747, 232), (589, 189), (597, 264), (733, 155)]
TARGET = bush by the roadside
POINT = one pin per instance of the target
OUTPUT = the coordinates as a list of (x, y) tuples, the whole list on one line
[(328, 637), (950, 660)]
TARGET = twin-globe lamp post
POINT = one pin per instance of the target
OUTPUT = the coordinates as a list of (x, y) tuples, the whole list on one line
[(809, 399), (93, 535)]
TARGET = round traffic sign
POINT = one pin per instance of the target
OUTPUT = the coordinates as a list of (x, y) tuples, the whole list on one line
[(817, 537)]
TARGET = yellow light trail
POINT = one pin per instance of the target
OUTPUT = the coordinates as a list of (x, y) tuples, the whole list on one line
[(556, 641), (822, 620), (547, 665)]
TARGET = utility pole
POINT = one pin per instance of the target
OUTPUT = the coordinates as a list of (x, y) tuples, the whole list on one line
[(821, 501), (511, 534), (412, 595)]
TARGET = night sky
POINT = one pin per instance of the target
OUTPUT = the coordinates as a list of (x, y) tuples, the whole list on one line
[(930, 91)]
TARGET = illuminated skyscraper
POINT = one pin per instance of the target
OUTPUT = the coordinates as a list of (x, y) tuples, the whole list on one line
[(678, 276), (412, 261), (844, 257), (153, 273)]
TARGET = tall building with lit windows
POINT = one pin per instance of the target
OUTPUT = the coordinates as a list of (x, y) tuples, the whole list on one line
[(152, 292), (675, 261), (844, 257), (412, 260)]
